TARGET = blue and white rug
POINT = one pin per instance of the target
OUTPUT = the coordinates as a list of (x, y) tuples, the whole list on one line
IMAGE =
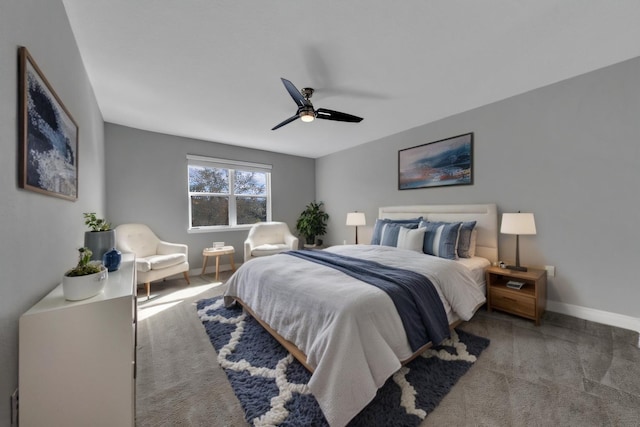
[(272, 386)]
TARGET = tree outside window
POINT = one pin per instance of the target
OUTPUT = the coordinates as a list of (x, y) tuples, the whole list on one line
[(227, 196)]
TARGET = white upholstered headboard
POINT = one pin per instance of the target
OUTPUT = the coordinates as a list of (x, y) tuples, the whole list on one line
[(485, 215)]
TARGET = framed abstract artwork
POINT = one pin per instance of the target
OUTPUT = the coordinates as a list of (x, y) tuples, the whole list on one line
[(48, 136), (435, 164)]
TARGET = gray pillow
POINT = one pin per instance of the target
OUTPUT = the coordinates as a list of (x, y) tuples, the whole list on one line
[(464, 239)]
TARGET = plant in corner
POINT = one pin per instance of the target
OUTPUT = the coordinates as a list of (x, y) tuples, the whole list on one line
[(312, 222), (100, 238), (84, 280)]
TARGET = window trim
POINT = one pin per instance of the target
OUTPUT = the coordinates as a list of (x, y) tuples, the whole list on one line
[(232, 165)]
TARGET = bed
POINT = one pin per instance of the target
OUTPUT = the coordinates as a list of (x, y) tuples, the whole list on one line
[(348, 334)]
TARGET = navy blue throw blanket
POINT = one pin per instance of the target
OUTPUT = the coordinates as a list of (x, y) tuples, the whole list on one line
[(414, 296)]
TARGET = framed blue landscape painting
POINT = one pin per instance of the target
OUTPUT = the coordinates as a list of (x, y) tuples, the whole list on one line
[(48, 136), (436, 164)]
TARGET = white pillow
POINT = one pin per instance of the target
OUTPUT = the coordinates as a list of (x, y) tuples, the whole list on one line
[(412, 239)]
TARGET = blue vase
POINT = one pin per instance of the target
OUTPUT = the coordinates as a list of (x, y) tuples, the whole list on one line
[(112, 259)]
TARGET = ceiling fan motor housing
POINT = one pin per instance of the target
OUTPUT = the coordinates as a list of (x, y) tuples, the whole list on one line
[(307, 114)]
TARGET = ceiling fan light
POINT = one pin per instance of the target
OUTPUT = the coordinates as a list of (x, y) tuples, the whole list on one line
[(307, 116)]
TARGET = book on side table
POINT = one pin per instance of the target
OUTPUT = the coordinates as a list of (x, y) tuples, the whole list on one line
[(514, 284)]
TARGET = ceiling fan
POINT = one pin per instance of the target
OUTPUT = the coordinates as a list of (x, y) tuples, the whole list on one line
[(306, 113)]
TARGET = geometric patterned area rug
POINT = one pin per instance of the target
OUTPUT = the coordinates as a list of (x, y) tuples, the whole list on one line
[(272, 386)]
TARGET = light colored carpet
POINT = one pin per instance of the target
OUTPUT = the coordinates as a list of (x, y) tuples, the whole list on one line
[(179, 382), (566, 372)]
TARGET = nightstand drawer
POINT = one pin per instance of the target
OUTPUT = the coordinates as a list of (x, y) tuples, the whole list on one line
[(511, 301)]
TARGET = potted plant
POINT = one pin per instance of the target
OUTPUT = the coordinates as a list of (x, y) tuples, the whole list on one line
[(100, 238), (84, 280), (312, 222)]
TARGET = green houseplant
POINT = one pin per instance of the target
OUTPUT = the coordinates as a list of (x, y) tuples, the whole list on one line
[(312, 222), (100, 238), (84, 280), (95, 223), (84, 266)]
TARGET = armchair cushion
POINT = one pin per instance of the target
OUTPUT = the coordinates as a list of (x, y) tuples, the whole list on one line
[(158, 262)]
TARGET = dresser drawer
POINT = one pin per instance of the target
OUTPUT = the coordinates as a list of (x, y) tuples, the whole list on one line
[(512, 301)]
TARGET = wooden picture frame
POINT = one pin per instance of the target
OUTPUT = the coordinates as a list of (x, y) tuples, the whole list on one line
[(436, 164), (48, 136)]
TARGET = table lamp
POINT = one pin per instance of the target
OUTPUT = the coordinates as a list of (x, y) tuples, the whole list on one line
[(518, 223), (356, 219)]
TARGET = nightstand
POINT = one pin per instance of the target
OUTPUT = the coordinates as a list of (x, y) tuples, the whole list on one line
[(529, 301)]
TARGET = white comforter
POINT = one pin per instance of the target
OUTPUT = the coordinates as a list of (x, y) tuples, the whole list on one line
[(350, 331)]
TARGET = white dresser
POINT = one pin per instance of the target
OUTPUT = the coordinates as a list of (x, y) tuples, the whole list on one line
[(77, 358)]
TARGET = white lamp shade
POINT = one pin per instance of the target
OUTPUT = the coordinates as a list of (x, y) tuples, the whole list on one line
[(356, 218), (518, 223)]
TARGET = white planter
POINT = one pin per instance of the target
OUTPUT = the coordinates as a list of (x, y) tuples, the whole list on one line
[(82, 287)]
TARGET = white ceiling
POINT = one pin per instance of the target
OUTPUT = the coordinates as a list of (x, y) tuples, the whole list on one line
[(211, 69)]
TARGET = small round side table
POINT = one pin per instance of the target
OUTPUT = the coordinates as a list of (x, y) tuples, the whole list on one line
[(218, 252)]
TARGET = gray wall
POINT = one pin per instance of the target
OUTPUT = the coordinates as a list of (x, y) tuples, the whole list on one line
[(40, 234), (569, 153), (147, 183)]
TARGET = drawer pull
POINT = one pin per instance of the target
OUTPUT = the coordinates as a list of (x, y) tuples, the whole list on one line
[(510, 299)]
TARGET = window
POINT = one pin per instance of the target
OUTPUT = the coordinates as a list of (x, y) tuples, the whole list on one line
[(227, 193)]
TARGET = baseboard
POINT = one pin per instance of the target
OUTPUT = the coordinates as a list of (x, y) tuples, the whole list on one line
[(599, 316)]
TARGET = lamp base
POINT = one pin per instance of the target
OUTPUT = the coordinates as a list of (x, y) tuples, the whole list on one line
[(516, 268)]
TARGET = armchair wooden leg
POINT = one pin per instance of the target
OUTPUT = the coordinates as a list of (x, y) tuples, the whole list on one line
[(186, 277), (147, 286)]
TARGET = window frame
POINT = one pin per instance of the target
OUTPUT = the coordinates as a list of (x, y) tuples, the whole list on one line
[(231, 166)]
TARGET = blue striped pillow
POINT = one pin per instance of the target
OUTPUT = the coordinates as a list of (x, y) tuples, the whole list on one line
[(377, 228), (441, 239)]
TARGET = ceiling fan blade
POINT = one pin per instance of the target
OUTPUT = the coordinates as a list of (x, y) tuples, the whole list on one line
[(323, 113), (286, 122), (295, 93)]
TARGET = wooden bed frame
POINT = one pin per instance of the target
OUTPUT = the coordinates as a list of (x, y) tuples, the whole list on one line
[(486, 217)]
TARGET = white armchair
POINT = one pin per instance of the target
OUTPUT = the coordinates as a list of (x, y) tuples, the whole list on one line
[(268, 238), (155, 259)]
